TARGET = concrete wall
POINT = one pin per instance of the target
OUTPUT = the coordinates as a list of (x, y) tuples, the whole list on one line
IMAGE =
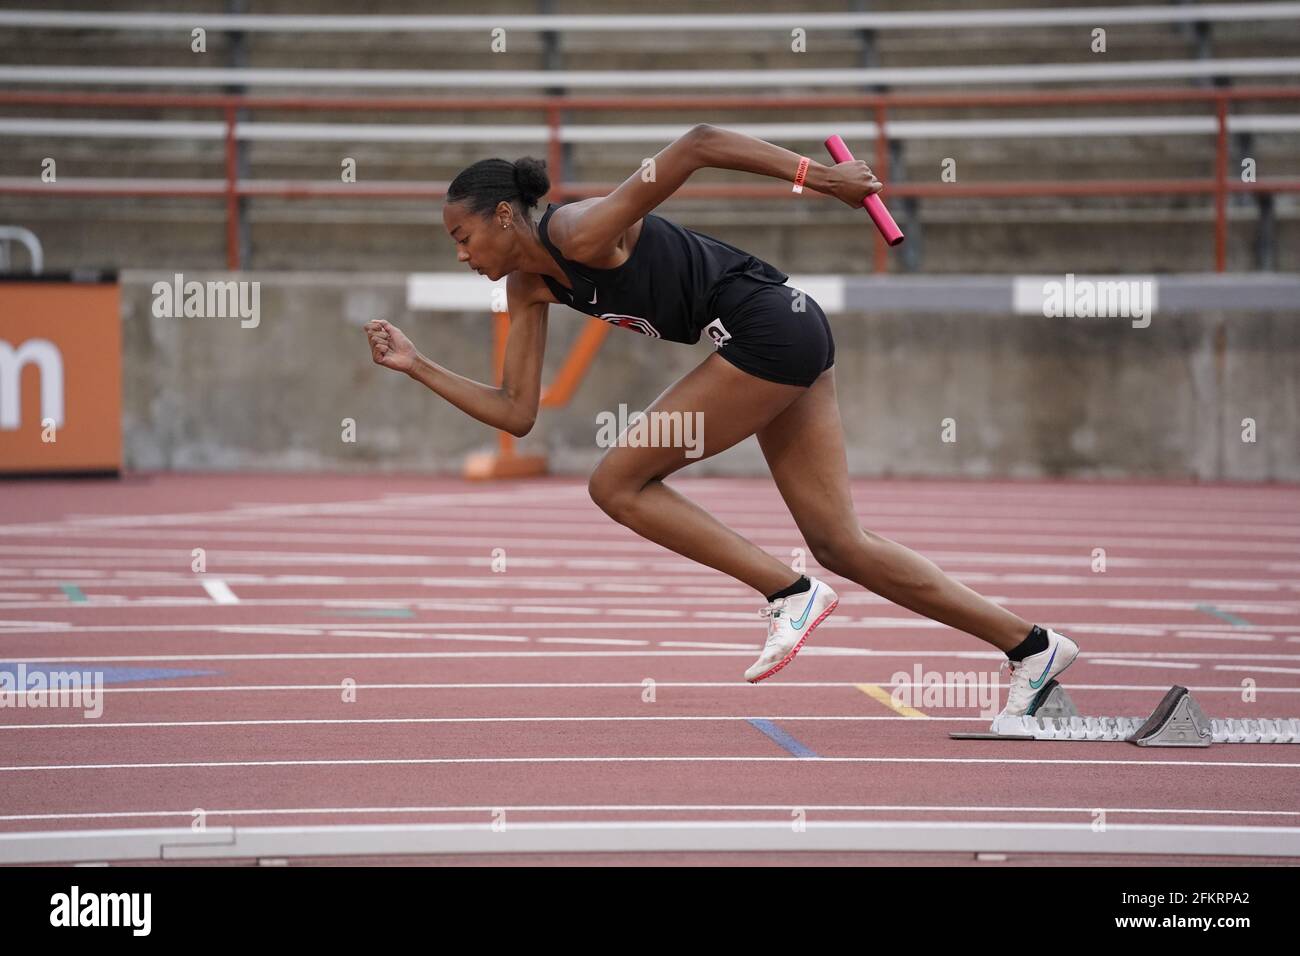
[(1029, 396)]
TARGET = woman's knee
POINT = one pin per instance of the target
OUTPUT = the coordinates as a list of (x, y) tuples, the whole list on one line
[(873, 561), (612, 493), (601, 488), (839, 551)]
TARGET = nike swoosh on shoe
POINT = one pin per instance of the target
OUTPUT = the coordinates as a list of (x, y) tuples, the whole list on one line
[(1036, 684), (798, 622)]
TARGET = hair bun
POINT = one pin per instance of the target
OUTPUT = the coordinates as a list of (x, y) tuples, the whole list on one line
[(531, 178)]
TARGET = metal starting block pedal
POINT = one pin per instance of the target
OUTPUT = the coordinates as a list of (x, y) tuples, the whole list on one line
[(1177, 721)]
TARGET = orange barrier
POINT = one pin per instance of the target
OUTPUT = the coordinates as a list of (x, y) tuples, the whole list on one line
[(506, 462), (60, 377)]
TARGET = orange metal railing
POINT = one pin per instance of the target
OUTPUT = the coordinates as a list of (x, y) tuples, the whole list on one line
[(877, 106)]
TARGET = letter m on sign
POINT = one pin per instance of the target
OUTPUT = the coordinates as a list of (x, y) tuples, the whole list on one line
[(49, 363), (60, 377)]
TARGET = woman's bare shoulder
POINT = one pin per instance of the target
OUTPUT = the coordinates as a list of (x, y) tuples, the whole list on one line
[(609, 258), (560, 226)]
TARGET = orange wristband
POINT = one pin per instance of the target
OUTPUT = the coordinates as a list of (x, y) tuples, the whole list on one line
[(801, 174)]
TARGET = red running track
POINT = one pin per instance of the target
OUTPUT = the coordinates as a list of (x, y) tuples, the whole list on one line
[(353, 653)]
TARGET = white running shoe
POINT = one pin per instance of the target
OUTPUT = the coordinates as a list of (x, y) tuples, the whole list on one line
[(1031, 675), (790, 621)]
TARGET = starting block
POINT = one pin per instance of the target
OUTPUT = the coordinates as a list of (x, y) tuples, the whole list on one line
[(1177, 721)]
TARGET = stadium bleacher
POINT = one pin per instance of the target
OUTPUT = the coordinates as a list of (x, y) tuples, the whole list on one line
[(582, 50)]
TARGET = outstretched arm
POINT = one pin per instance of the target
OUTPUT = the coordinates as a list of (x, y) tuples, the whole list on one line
[(727, 149), (598, 227)]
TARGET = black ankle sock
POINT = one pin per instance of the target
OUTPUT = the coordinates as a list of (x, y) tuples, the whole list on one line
[(803, 584), (1035, 643)]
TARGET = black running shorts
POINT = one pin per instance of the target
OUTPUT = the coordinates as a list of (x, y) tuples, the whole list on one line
[(775, 332)]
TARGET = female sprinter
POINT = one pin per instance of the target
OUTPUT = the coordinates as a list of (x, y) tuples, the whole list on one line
[(770, 375)]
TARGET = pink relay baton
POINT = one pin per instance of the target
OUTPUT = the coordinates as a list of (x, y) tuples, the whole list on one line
[(875, 208)]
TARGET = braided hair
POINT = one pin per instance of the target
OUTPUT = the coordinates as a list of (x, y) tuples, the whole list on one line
[(487, 183)]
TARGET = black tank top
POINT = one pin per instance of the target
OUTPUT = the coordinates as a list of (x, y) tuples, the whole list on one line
[(667, 286)]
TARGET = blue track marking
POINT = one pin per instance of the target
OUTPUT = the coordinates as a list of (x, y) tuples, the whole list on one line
[(781, 737), (1223, 615), (112, 675)]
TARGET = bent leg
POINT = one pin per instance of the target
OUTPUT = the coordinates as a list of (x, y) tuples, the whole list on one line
[(628, 482), (804, 447)]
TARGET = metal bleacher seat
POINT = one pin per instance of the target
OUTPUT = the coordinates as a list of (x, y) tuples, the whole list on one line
[(605, 144)]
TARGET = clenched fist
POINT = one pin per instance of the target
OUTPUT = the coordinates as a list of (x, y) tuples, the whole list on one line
[(852, 182), (389, 347)]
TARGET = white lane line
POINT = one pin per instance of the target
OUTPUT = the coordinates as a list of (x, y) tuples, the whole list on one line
[(505, 604), (610, 567), (419, 632), (765, 537), (877, 622), (1105, 517), (759, 496), (633, 546), (1115, 516), (591, 640), (485, 521), (1134, 604), (1263, 670), (1231, 689), (781, 808), (398, 635), (741, 490), (296, 721), (219, 591), (454, 499), (491, 522), (1104, 662), (713, 645), (1113, 658), (555, 609), (768, 539), (128, 578), (802, 762), (707, 652), (373, 655), (1220, 636)]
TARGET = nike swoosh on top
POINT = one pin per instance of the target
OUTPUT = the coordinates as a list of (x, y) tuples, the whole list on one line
[(798, 622), (1035, 684), (594, 293)]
